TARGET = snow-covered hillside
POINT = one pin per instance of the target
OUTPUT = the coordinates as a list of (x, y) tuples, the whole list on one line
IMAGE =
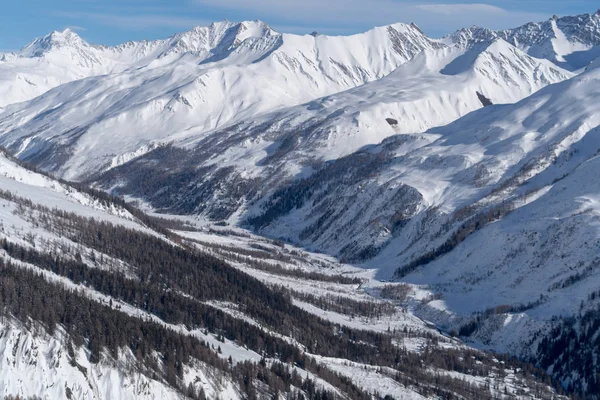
[(540, 154), (496, 211), (225, 169), (196, 82), (435, 88), (200, 82), (462, 169), (481, 159), (36, 364), (571, 42), (47, 62), (326, 63), (82, 320)]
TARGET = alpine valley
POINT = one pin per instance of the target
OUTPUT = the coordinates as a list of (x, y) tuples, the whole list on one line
[(237, 213)]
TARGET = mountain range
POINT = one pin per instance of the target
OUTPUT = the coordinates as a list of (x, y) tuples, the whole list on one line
[(461, 169)]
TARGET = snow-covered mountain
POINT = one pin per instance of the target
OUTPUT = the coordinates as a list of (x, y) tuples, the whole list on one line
[(263, 154), (196, 82), (187, 101), (571, 42), (100, 301), (495, 212), (463, 167), (323, 63), (61, 57), (433, 89), (47, 62)]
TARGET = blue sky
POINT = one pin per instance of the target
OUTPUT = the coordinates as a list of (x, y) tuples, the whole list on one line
[(115, 21)]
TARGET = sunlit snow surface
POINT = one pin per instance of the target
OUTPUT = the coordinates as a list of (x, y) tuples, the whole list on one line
[(188, 87), (99, 108)]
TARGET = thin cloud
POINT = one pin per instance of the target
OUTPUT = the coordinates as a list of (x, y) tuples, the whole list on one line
[(75, 28), (136, 22), (483, 11), (349, 13), (333, 16), (453, 9)]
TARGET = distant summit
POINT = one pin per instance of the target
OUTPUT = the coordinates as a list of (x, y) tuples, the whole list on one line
[(53, 41)]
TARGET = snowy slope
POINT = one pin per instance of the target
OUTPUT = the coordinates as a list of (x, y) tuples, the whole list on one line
[(54, 194), (527, 172), (571, 42), (36, 362), (141, 112), (193, 85), (226, 169), (199, 82), (435, 88), (543, 153), (482, 158), (47, 62)]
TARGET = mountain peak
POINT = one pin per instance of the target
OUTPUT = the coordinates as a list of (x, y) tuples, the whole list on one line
[(219, 36), (252, 29), (53, 40), (562, 40), (66, 37)]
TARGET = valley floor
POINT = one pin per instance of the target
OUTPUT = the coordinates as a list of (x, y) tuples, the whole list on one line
[(346, 294)]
